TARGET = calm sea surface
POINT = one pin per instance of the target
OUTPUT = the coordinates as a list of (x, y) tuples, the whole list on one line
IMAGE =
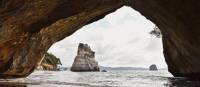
[(139, 78)]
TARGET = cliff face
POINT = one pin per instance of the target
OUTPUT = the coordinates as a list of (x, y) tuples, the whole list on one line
[(85, 60), (49, 62), (29, 28)]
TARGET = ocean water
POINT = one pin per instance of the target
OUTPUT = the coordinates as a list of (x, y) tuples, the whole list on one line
[(136, 78)]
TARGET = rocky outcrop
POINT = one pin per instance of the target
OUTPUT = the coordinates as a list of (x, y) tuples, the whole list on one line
[(153, 67), (49, 62), (85, 59), (29, 28)]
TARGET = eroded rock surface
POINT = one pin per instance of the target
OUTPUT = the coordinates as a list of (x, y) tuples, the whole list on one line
[(49, 62), (85, 59), (29, 27)]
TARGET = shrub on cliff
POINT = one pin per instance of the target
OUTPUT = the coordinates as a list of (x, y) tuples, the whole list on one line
[(156, 31)]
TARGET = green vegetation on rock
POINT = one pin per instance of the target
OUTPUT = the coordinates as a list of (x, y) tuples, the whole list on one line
[(49, 62)]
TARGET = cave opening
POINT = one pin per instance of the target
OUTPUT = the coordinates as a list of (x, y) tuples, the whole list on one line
[(120, 39)]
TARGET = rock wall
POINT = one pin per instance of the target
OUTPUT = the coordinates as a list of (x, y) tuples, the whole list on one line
[(85, 59), (29, 28), (49, 62), (178, 21)]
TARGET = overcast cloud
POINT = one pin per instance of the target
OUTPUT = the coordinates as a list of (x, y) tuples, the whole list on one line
[(120, 39)]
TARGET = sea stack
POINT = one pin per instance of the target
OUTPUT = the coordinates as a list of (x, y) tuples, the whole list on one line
[(85, 59), (153, 67)]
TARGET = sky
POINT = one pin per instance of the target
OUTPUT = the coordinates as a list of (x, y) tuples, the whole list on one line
[(120, 39)]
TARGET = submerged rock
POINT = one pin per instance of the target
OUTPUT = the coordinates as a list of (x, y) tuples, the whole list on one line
[(104, 70), (49, 62), (153, 67), (85, 59)]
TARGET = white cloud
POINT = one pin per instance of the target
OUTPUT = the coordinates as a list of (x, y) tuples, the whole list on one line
[(120, 39)]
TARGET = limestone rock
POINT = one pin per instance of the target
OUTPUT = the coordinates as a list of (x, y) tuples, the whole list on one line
[(49, 62), (85, 59), (153, 67)]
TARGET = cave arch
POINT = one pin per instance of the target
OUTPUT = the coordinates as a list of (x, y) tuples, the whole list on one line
[(130, 36), (29, 28)]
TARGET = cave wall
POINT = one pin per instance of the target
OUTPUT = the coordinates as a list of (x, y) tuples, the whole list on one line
[(29, 27), (179, 23)]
